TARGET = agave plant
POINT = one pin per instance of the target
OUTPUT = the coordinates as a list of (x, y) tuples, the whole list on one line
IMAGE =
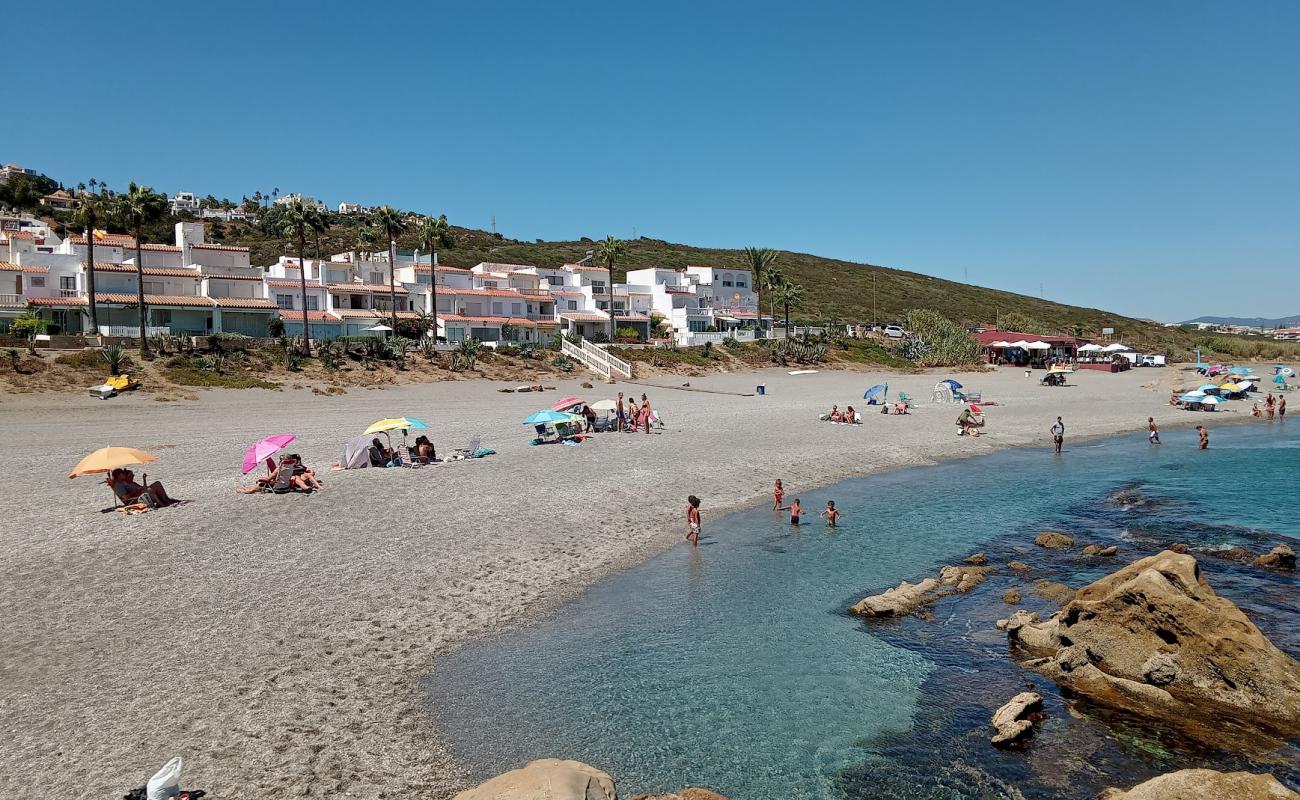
[(115, 356), (467, 353)]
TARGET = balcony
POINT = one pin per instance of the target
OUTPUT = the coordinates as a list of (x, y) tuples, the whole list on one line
[(12, 300), (69, 293)]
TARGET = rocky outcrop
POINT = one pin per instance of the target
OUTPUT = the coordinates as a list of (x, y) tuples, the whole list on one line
[(546, 779), (1281, 557), (1011, 597), (1098, 550), (684, 794), (1054, 540), (1179, 547), (1205, 784), (1012, 720), (977, 560), (907, 597), (1058, 593), (1154, 638), (1239, 554), (1018, 566), (896, 602)]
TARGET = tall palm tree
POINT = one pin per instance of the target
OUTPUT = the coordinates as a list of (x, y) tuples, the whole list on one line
[(788, 294), (609, 251), (391, 223), (434, 231), (139, 205), (299, 218), (93, 183), (89, 213), (760, 261)]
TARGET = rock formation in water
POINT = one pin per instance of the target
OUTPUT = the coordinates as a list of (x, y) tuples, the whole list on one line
[(976, 560), (907, 597), (1099, 550), (1205, 784), (546, 779), (1054, 540), (684, 794), (1011, 597), (1018, 566), (1282, 557), (1011, 720), (1058, 593), (1154, 638)]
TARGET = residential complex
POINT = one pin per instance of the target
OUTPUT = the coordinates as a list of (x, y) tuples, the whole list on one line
[(193, 287)]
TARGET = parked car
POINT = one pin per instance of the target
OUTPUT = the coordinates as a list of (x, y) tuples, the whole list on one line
[(894, 332), (1152, 361)]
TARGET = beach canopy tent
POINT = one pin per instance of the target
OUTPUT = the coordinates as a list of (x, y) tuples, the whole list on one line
[(1038, 346), (1090, 348), (1022, 344), (356, 453), (876, 395), (263, 449), (999, 343), (1115, 348), (568, 404), (1279, 379), (107, 459)]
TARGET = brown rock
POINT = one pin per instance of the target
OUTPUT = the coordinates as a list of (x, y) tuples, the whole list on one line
[(1018, 566), (1056, 592), (1205, 784), (897, 601), (1179, 547), (963, 578), (546, 779), (1154, 638), (1098, 550), (1282, 557), (1011, 597), (1054, 540), (1239, 554), (1010, 720), (978, 560)]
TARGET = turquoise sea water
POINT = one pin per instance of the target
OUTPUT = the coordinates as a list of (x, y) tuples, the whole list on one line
[(735, 666)]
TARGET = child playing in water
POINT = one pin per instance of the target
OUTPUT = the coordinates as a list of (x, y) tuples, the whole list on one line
[(795, 510), (829, 513), (693, 520), (778, 492)]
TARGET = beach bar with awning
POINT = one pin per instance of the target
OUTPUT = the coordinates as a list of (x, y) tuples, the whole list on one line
[(1025, 349)]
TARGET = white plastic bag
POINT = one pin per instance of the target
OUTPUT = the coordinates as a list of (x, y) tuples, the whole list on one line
[(166, 782)]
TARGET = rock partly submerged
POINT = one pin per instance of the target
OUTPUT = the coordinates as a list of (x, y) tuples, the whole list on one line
[(1054, 540), (1013, 720), (1099, 550), (1205, 784), (553, 779), (1154, 638), (1281, 557), (906, 597)]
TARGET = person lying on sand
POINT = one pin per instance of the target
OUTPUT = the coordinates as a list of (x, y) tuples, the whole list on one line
[(123, 483)]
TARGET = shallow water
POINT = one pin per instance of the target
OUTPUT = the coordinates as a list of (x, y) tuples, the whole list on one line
[(735, 666)]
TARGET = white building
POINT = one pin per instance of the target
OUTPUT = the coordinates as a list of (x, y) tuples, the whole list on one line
[(700, 303), (285, 200), (184, 202), (352, 208)]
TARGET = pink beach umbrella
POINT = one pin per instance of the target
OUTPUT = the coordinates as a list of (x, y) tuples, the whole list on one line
[(263, 449), (566, 404)]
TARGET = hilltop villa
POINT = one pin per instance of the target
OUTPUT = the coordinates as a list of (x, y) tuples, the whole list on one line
[(195, 288)]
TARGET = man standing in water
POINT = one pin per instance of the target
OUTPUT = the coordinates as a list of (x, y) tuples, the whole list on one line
[(693, 520), (1153, 431), (1058, 434), (1205, 436)]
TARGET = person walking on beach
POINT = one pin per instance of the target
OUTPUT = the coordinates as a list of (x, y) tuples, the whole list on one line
[(693, 526), (1058, 434), (1153, 431), (1205, 436), (620, 414), (830, 514), (778, 492)]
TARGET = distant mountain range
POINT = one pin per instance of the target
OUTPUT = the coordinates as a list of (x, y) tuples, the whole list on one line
[(1255, 322)]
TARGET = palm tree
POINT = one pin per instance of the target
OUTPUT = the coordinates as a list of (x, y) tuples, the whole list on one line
[(93, 183), (298, 219), (90, 212), (139, 205), (391, 223), (434, 231), (760, 261), (607, 252), (788, 294)]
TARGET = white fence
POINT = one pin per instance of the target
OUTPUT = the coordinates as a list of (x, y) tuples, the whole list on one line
[(596, 359), (132, 331)]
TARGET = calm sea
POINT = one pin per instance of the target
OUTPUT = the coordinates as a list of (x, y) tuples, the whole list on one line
[(734, 666)]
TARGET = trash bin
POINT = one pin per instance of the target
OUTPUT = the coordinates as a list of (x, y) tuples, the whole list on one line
[(761, 389)]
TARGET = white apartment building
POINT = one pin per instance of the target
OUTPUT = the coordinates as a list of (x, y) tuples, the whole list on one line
[(285, 200), (700, 303), (184, 202)]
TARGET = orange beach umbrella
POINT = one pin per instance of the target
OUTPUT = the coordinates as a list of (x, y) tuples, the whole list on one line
[(108, 459)]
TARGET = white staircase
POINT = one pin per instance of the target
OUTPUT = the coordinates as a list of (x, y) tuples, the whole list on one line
[(596, 359)]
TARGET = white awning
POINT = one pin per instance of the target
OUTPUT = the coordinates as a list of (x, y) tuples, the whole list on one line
[(1090, 348), (1116, 347), (1038, 346)]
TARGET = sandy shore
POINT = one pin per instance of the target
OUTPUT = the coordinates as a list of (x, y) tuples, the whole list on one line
[(277, 642)]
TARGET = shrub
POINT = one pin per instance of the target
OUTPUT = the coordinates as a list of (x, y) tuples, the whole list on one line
[(562, 363), (507, 350), (731, 343), (115, 356), (275, 328), (938, 341), (627, 335)]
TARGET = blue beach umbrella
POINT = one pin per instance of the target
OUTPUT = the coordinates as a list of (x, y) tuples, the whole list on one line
[(549, 417), (1279, 379), (1212, 400), (951, 383), (881, 389), (1239, 371), (1194, 397), (1209, 387)]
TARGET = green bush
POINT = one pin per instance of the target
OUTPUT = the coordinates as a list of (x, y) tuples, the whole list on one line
[(938, 342), (562, 363)]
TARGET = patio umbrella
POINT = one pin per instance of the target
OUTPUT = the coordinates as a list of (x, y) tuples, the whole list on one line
[(1115, 348), (1209, 387), (1239, 371), (1193, 397), (566, 403), (999, 344), (1021, 343), (1090, 348), (1285, 372), (1211, 400), (396, 424), (108, 459), (548, 417), (263, 449), (1242, 386), (380, 328), (1038, 346), (603, 405)]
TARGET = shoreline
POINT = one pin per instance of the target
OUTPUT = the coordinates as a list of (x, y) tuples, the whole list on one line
[(382, 602)]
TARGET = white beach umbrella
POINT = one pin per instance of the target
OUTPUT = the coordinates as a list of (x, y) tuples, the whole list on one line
[(1090, 348), (1038, 346), (999, 344), (379, 328), (1021, 343), (1116, 347)]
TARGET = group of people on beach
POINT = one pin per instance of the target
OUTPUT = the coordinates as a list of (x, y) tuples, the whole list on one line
[(694, 526), (629, 415), (289, 475), (1272, 407)]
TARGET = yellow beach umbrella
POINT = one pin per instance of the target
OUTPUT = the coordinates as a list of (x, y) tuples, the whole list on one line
[(1230, 387), (396, 424), (110, 458)]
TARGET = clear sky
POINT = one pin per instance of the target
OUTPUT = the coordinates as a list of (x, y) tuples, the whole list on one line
[(1141, 157)]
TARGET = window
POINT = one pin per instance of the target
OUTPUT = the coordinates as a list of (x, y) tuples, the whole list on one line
[(489, 284), (573, 305), (455, 334), (377, 278), (69, 282), (38, 281), (598, 286), (498, 309), (516, 309), (337, 276), (285, 301), (155, 287), (741, 285), (313, 303), (726, 283)]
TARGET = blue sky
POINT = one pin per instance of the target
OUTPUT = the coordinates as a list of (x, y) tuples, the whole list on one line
[(1141, 157)]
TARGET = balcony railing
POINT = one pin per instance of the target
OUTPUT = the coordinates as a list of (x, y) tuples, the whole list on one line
[(11, 300), (69, 293)]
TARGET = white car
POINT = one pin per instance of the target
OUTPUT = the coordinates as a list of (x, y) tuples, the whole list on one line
[(894, 332), (1152, 361)]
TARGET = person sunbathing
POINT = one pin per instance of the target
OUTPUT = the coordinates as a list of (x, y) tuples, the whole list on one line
[(304, 477), (129, 492), (424, 450), (835, 415), (850, 416), (381, 456)]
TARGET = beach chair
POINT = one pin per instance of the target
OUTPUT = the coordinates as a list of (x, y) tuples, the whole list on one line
[(283, 483), (904, 397), (475, 443)]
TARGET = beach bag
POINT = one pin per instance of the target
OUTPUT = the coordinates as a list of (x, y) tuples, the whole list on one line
[(166, 782)]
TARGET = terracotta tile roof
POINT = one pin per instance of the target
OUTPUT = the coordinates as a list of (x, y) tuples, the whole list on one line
[(441, 268), (109, 240), (483, 292), (517, 321), (243, 302), (36, 270), (584, 268), (312, 316), (221, 276), (567, 293), (24, 235), (291, 284), (361, 313), (8, 266), (583, 316), (631, 317), (226, 248), (363, 288), (157, 299), (101, 266), (56, 301)]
